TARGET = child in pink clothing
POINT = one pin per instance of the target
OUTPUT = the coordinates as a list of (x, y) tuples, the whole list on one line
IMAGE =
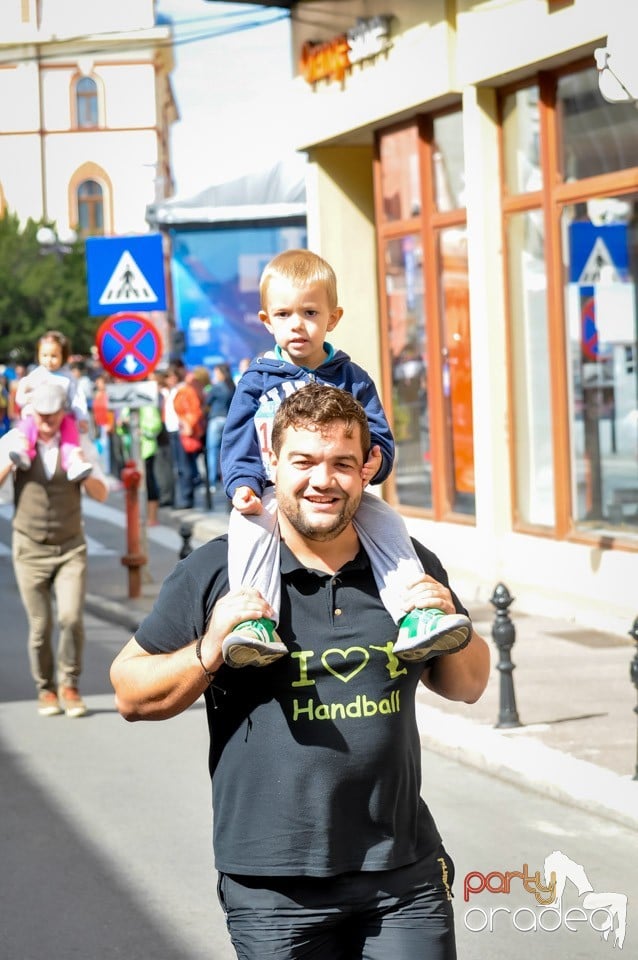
[(53, 350)]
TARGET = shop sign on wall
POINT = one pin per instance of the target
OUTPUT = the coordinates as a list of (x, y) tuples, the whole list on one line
[(332, 59)]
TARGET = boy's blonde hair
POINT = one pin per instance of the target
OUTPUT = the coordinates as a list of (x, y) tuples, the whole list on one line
[(300, 268)]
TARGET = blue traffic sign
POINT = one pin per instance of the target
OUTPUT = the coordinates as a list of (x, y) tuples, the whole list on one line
[(129, 346), (598, 253), (125, 273)]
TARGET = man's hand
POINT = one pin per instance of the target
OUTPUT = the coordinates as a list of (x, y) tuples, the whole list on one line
[(372, 465), (233, 608), (428, 592), (246, 501)]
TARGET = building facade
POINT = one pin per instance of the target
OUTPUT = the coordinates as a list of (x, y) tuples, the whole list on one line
[(85, 111), (477, 197)]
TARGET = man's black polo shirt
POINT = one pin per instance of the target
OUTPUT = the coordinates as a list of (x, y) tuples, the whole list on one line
[(315, 759)]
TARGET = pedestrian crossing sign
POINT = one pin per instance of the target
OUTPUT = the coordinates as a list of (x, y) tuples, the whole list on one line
[(125, 273), (598, 254)]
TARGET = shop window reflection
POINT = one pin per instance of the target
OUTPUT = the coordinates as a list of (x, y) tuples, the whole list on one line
[(448, 162), (521, 143), (400, 180), (531, 388), (408, 349), (457, 368), (600, 305), (596, 137)]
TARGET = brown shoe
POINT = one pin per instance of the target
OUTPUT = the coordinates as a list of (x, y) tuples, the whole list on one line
[(48, 704), (72, 702)]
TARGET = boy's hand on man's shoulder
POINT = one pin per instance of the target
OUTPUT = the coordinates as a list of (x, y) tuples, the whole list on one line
[(246, 501), (372, 465)]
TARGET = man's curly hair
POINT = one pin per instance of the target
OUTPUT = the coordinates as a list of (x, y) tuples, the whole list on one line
[(316, 407)]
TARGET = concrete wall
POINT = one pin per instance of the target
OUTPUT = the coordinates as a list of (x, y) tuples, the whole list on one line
[(341, 228)]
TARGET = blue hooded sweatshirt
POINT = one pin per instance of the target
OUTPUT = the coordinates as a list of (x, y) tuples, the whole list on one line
[(266, 383)]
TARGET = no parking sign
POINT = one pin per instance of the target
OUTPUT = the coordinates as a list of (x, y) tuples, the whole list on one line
[(129, 346)]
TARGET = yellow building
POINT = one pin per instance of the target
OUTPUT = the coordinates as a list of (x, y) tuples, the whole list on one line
[(85, 110), (477, 197)]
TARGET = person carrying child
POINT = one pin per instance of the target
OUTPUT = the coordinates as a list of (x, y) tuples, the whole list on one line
[(53, 349), (299, 305)]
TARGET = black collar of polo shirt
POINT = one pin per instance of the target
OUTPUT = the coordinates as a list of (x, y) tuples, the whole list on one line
[(291, 565)]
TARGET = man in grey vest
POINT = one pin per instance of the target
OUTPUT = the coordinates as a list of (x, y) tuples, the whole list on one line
[(49, 557)]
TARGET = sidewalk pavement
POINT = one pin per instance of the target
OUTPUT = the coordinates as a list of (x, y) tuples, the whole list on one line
[(574, 697)]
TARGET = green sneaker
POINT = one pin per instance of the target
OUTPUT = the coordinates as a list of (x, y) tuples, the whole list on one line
[(425, 633), (253, 643)]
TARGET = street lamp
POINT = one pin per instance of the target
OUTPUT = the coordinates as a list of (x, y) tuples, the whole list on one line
[(58, 242)]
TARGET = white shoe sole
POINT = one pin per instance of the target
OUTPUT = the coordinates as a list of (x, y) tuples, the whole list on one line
[(241, 652), (52, 711), (450, 637), (75, 712)]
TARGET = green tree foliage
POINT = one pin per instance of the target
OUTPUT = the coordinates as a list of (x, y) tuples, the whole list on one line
[(40, 289)]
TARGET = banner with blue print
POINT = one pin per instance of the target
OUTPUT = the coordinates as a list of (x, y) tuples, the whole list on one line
[(215, 275)]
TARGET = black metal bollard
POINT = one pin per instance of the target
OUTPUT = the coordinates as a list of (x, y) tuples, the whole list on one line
[(504, 635), (185, 532), (633, 673)]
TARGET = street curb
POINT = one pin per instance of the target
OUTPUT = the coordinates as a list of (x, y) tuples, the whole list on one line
[(526, 762)]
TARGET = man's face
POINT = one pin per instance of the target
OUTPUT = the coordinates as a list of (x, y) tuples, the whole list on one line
[(48, 424), (318, 479)]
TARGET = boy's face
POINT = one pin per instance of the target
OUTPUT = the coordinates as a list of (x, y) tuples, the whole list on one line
[(50, 355), (299, 318)]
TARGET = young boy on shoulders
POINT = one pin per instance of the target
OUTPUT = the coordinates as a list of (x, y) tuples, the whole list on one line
[(299, 306)]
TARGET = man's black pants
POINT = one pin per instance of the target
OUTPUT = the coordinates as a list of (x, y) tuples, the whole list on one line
[(403, 914)]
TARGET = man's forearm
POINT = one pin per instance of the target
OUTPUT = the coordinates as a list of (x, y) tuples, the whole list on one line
[(460, 676), (156, 686), (96, 489)]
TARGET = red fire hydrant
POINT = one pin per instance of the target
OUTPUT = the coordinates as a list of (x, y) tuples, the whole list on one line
[(134, 559)]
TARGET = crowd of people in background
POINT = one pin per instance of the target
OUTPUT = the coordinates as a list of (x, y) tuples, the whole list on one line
[(176, 439)]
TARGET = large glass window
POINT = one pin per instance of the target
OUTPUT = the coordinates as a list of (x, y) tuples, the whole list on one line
[(596, 137), (521, 145), (457, 368), (426, 338), (400, 180), (448, 162), (572, 265), (600, 308), (408, 353), (531, 388)]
